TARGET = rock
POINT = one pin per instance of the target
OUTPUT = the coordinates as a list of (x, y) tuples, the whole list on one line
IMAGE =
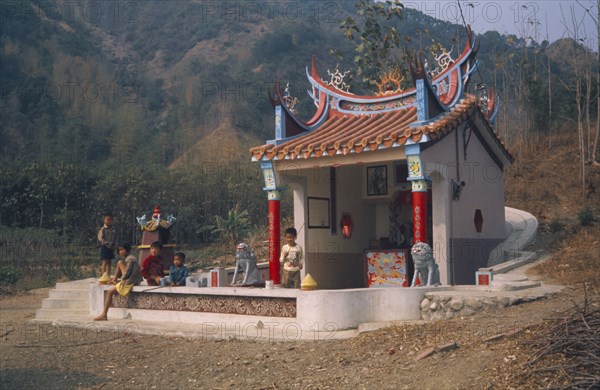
[(425, 304), (515, 301), (434, 306), (436, 316), (474, 303), (456, 304), (489, 302)]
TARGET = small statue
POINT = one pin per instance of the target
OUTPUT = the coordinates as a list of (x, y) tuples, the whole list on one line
[(142, 220), (425, 265), (245, 261), (156, 222)]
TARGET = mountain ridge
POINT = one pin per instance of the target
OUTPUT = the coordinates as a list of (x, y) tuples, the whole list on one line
[(175, 66)]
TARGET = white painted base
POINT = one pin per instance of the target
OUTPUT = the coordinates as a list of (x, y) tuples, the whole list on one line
[(319, 312)]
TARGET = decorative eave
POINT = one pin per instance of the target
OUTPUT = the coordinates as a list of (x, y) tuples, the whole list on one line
[(368, 133)]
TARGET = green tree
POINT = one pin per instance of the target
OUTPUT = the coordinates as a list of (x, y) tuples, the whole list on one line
[(375, 37)]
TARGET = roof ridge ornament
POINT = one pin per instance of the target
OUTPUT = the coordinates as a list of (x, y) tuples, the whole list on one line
[(488, 102), (393, 77), (443, 61), (337, 79), (289, 100)]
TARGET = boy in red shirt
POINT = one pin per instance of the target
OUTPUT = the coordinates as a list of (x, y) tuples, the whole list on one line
[(152, 267)]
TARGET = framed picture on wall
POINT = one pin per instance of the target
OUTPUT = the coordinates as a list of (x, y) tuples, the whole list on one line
[(318, 213), (377, 180)]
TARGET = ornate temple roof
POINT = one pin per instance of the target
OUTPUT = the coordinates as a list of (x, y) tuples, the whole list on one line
[(346, 123)]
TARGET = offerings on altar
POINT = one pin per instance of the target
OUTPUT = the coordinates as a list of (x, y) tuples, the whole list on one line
[(157, 229)]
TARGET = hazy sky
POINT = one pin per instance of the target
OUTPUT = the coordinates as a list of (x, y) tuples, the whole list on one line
[(539, 20)]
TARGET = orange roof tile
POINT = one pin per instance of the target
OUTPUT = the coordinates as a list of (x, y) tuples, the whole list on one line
[(356, 133)]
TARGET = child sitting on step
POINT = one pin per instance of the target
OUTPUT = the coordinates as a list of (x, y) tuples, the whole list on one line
[(132, 276), (178, 272)]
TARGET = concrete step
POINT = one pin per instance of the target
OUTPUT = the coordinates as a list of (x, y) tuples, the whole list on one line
[(509, 278), (58, 314), (76, 284), (65, 303), (69, 293), (66, 300), (517, 259)]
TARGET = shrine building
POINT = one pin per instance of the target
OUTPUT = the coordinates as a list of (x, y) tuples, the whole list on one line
[(372, 175)]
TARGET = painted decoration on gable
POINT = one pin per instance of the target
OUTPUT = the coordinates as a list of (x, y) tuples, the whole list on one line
[(279, 130), (386, 268), (268, 175), (414, 166)]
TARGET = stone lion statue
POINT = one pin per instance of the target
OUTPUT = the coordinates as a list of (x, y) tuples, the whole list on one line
[(425, 267), (245, 261)]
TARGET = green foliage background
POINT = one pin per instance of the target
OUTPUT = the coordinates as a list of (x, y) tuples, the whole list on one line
[(98, 109)]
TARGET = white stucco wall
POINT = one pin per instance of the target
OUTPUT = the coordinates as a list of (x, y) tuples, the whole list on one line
[(484, 190), (484, 185)]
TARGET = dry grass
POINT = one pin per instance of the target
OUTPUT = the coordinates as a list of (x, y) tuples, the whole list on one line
[(576, 259), (546, 181)]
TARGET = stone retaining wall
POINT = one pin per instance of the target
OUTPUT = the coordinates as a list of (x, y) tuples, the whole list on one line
[(441, 307)]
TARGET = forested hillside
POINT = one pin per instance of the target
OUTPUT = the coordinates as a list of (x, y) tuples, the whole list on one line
[(123, 104)]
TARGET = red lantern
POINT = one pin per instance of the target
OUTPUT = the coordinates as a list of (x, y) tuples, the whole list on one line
[(346, 225)]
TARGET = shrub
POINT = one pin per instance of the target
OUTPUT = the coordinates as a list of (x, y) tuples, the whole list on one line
[(586, 216), (9, 275), (230, 229), (556, 226)]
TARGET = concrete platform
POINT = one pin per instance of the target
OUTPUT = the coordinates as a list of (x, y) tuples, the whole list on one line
[(286, 314)]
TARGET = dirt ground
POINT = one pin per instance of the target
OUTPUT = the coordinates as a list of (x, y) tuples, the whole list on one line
[(45, 356)]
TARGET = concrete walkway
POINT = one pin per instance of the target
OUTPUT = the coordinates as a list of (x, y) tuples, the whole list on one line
[(521, 228), (509, 286)]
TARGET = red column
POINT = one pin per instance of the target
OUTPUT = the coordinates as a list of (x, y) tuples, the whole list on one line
[(274, 239), (419, 200)]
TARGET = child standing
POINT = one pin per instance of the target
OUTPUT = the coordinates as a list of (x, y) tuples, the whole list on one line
[(178, 272), (292, 259), (107, 241), (132, 276), (152, 267)]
